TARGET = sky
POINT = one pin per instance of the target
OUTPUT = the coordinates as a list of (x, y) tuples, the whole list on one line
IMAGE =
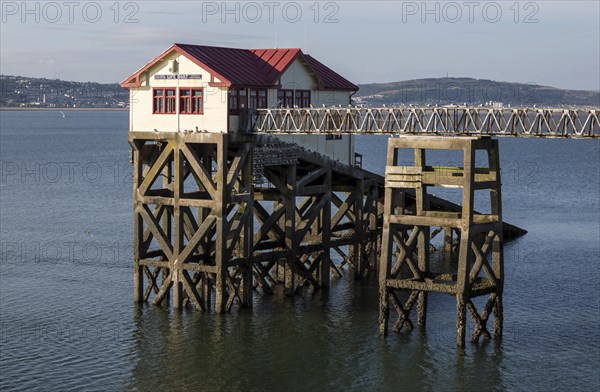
[(555, 43)]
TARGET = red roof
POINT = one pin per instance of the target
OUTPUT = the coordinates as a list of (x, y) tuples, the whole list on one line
[(249, 67)]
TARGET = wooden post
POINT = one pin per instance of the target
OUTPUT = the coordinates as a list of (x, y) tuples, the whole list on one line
[(422, 206), (386, 247), (325, 218), (498, 244), (464, 255), (138, 226), (220, 211), (291, 244), (248, 234), (176, 263), (359, 232)]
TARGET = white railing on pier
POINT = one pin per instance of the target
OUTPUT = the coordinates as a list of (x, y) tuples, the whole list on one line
[(446, 120)]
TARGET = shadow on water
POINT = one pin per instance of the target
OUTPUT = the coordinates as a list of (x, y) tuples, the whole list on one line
[(313, 341)]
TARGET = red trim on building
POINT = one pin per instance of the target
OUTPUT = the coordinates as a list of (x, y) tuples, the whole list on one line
[(255, 68)]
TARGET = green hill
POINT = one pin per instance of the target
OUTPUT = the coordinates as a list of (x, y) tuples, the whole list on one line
[(445, 91)]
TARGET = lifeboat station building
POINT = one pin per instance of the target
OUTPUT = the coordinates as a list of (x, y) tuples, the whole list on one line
[(209, 89)]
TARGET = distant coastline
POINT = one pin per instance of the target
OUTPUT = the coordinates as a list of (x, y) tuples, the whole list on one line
[(33, 109)]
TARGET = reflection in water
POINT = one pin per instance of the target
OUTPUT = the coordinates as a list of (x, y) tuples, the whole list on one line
[(304, 343)]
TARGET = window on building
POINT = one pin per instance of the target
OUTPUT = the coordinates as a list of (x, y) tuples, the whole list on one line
[(262, 99), (164, 101), (291, 98), (233, 101), (257, 98), (190, 101), (285, 98), (333, 137), (303, 98), (241, 99)]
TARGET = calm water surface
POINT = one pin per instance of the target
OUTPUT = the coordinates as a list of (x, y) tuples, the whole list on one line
[(68, 321)]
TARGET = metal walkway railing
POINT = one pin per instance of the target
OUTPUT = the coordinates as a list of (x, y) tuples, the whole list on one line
[(446, 120)]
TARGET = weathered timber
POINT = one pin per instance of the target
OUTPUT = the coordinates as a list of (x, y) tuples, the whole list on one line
[(207, 235), (404, 263)]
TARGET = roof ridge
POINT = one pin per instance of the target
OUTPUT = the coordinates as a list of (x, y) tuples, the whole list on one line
[(248, 67)]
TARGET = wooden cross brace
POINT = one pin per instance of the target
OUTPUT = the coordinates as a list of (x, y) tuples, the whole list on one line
[(403, 310), (481, 320)]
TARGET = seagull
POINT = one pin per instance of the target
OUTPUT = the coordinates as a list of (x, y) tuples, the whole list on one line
[(197, 129), (88, 233), (155, 130)]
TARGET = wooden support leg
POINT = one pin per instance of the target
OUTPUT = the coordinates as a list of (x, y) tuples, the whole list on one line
[(359, 260), (325, 218), (220, 212), (422, 309), (386, 249), (423, 264), (498, 244), (206, 290), (247, 239), (138, 282), (220, 290), (138, 230), (498, 317), (447, 241), (461, 318), (290, 231), (178, 230)]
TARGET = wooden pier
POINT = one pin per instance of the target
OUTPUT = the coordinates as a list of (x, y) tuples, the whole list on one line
[(406, 235), (201, 221), (208, 232), (245, 178)]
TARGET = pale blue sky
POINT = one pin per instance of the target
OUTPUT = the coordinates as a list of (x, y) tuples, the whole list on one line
[(366, 41)]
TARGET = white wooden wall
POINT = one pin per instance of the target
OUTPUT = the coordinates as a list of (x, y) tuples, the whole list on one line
[(216, 118)]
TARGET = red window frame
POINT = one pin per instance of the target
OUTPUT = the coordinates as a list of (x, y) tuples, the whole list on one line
[(192, 102), (162, 103)]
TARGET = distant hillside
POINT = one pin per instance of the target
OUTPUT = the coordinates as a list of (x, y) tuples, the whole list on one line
[(445, 91), (22, 91)]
